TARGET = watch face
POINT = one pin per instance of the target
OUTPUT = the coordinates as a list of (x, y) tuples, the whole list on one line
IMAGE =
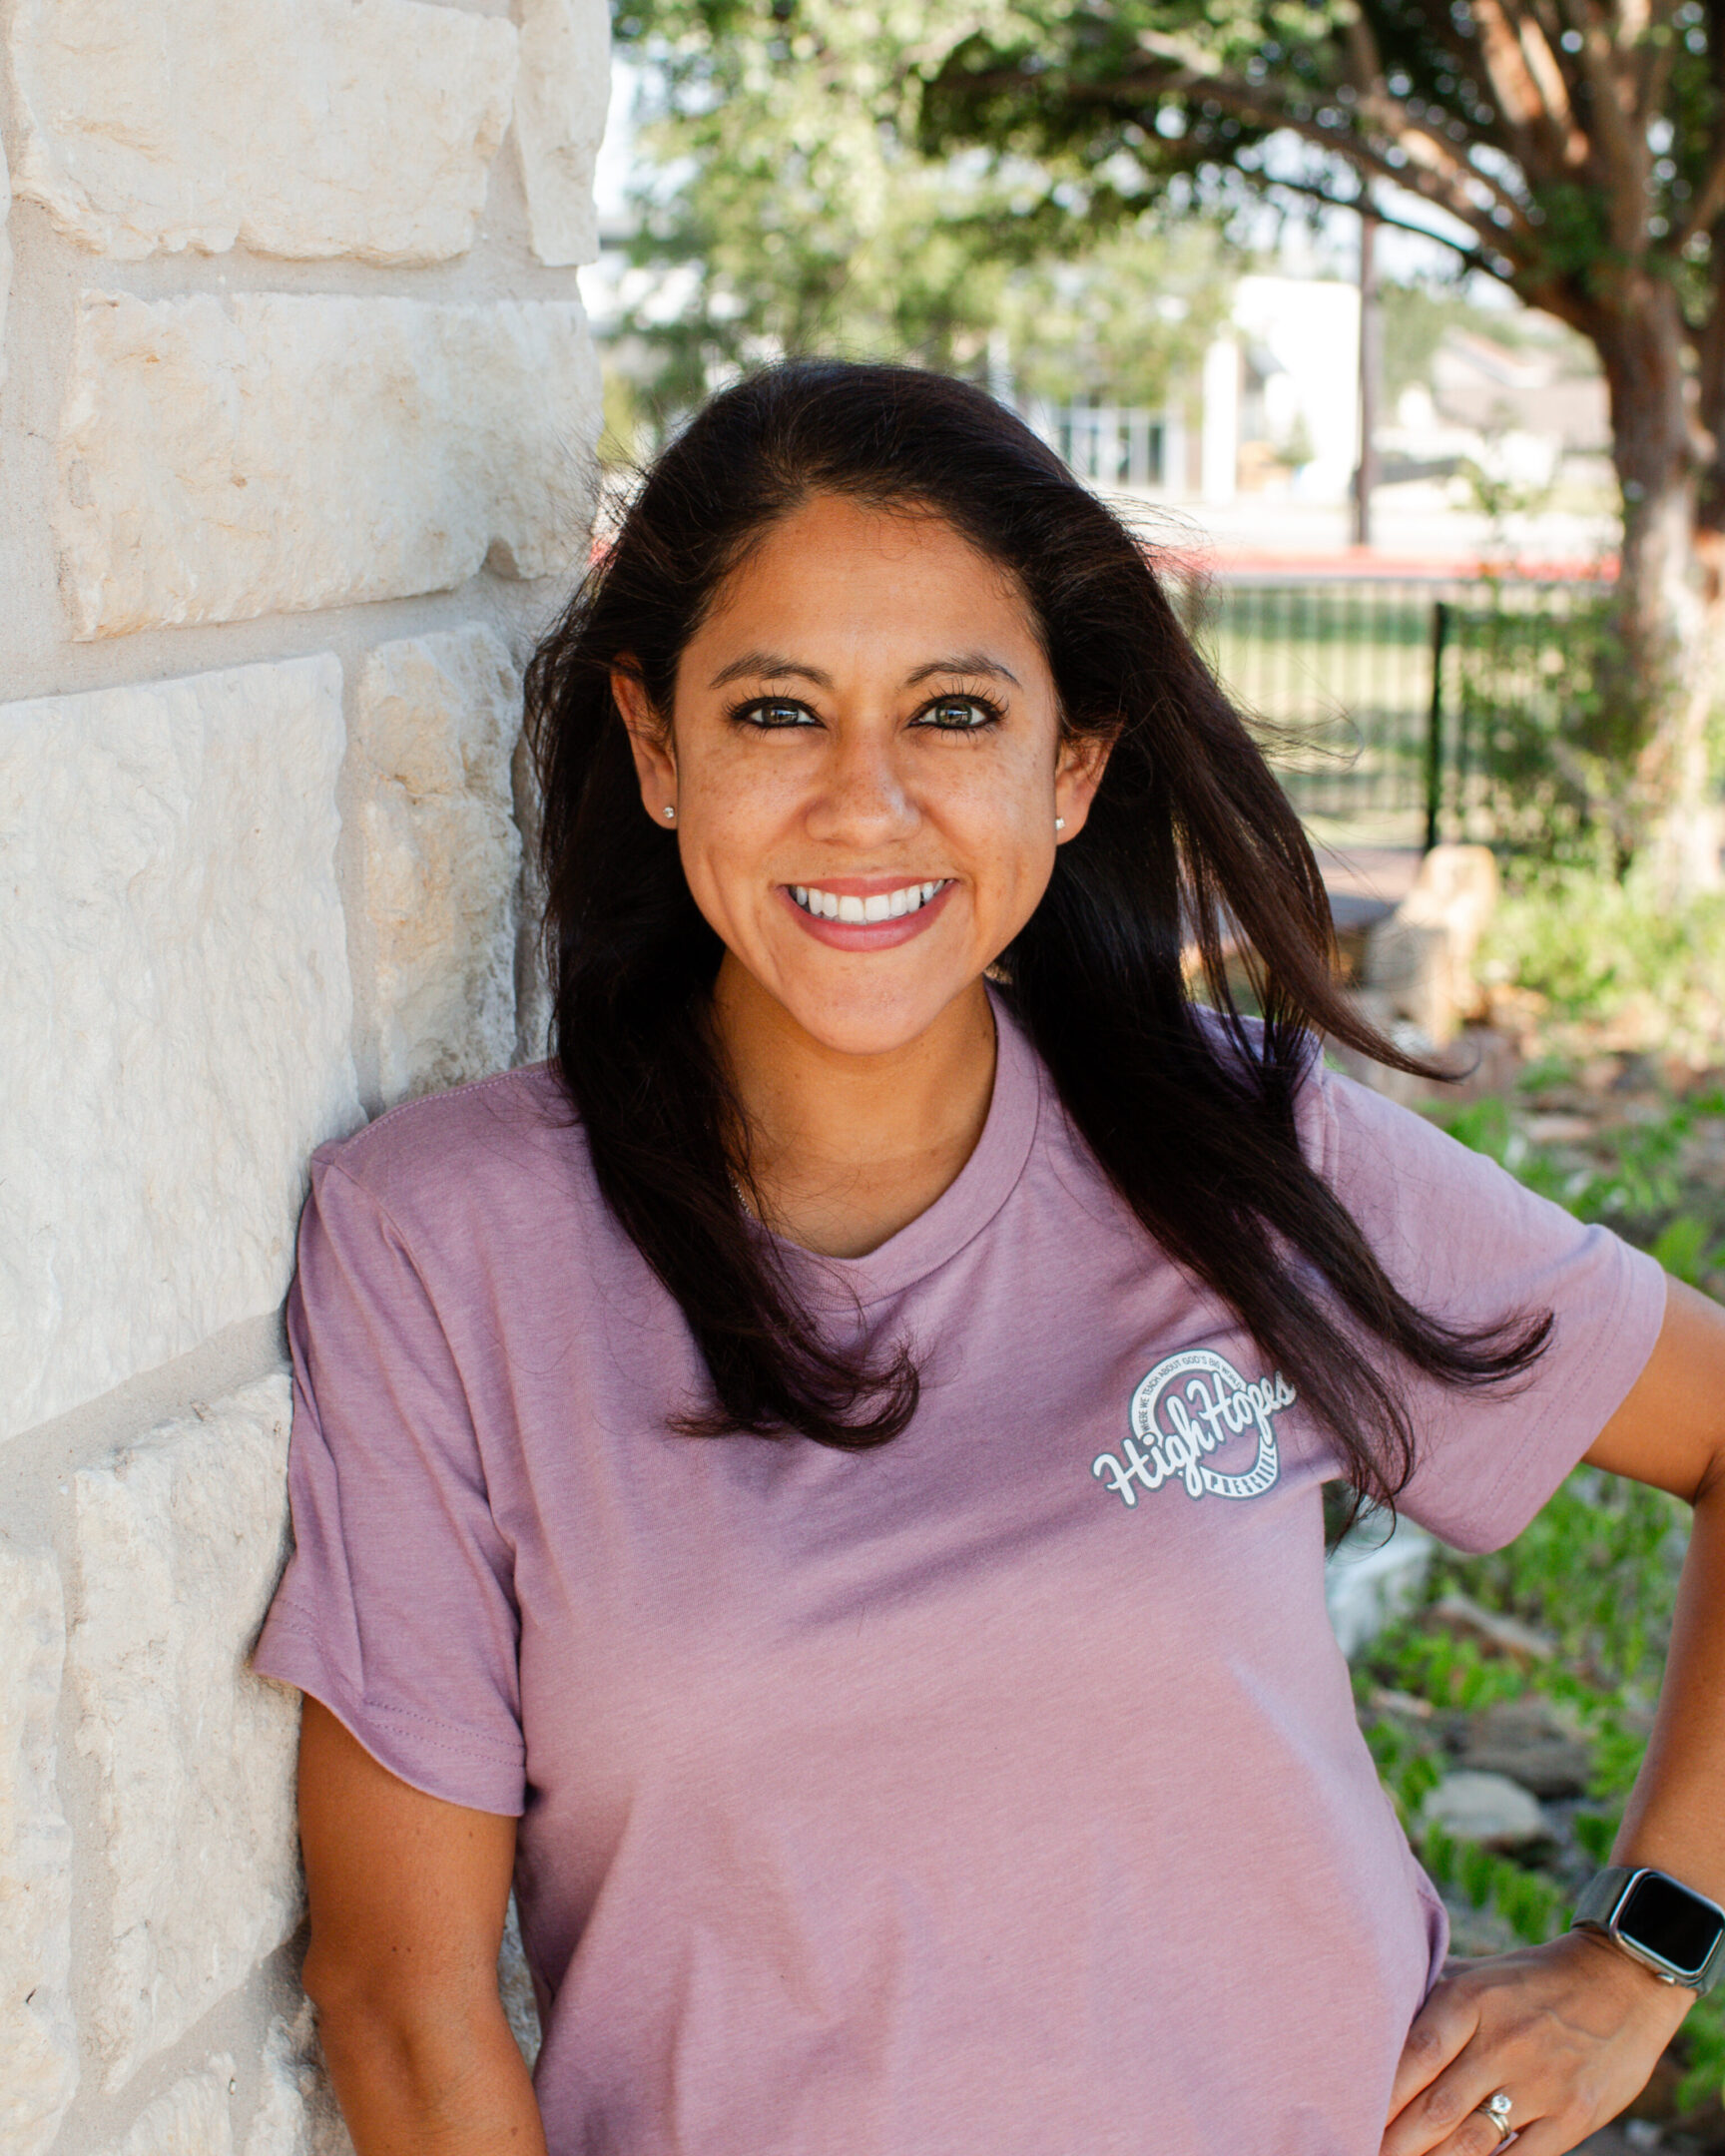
[(1670, 1921)]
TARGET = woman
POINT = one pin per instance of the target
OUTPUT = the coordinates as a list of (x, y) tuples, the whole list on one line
[(821, 1483)]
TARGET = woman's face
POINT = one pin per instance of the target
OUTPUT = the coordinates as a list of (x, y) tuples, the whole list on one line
[(865, 763)]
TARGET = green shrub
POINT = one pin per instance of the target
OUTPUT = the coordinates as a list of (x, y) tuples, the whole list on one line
[(1613, 953)]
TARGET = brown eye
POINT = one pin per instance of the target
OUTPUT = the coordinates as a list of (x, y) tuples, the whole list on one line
[(772, 713), (958, 715)]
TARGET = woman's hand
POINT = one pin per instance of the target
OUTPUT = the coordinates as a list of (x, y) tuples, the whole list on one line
[(1569, 2031)]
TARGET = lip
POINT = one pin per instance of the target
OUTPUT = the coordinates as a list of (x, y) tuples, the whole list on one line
[(865, 935)]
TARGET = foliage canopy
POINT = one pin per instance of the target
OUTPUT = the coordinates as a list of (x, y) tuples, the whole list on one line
[(789, 191)]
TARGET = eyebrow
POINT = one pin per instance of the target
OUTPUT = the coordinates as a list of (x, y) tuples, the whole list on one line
[(772, 666)]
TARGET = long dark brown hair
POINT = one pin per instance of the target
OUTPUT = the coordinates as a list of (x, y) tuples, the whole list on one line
[(1189, 842)]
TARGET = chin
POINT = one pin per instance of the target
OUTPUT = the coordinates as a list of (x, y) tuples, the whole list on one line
[(871, 1024)]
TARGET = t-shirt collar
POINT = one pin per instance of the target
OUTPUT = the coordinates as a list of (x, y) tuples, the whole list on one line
[(978, 1190)]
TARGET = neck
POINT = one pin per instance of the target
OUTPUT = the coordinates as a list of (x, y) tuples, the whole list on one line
[(845, 1150)]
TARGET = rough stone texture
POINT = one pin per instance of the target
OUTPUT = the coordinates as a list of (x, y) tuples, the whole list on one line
[(5, 258), (515, 1987), (293, 127), (192, 2119), (296, 2113), (559, 117), (173, 978), (180, 1544), (436, 719), (38, 2045), (267, 453)]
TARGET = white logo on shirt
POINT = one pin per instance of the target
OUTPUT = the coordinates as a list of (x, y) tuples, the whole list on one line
[(1214, 1405)]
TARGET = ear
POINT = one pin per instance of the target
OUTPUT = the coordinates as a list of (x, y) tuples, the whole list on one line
[(649, 741), (1078, 770)]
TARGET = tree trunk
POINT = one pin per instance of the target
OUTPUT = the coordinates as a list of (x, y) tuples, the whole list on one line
[(1665, 639)]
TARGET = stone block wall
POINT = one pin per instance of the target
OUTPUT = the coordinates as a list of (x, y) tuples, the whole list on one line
[(297, 408)]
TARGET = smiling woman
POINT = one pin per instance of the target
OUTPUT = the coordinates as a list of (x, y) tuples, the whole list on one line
[(947, 1752)]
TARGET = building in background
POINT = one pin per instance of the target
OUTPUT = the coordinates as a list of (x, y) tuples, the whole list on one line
[(1500, 438)]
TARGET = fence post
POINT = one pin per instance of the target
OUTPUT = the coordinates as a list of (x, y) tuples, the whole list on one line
[(1435, 724)]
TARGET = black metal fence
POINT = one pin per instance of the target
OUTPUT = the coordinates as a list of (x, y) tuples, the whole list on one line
[(1407, 709)]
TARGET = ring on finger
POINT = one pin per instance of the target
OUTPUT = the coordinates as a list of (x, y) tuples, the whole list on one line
[(1498, 2108)]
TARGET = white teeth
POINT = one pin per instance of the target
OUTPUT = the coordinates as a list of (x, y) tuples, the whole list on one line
[(879, 906)]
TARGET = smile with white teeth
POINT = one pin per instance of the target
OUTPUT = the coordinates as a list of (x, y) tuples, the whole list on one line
[(878, 907)]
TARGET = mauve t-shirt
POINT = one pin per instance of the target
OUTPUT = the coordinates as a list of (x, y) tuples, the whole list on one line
[(995, 1793)]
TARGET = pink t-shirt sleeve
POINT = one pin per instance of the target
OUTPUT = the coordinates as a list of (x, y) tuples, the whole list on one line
[(396, 1609), (1467, 1243)]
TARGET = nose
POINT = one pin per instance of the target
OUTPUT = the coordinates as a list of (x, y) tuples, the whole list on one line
[(863, 801)]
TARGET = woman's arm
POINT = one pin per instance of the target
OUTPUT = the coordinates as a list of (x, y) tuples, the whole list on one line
[(1571, 2030), (408, 1898)]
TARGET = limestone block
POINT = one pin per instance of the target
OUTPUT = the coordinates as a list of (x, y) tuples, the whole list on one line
[(174, 977), (296, 2113), (5, 258), (515, 1989), (267, 453), (293, 127), (180, 1540), (38, 2044), (1422, 956), (436, 720), (192, 2119), (560, 101), (1380, 1011)]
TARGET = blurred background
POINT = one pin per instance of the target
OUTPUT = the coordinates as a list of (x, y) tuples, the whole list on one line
[(1396, 330)]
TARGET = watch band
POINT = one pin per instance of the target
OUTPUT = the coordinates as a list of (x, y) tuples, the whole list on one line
[(1597, 1906), (1601, 1895)]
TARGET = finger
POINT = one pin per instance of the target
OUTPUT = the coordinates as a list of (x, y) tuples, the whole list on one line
[(1477, 2135), (1446, 2114), (1554, 2136), (1442, 2030)]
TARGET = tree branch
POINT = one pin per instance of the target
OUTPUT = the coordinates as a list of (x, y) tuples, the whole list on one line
[(1625, 186), (1513, 89), (1269, 106), (1706, 206), (1474, 258), (1568, 137)]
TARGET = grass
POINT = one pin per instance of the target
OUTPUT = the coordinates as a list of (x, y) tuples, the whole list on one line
[(1597, 1570), (1614, 957)]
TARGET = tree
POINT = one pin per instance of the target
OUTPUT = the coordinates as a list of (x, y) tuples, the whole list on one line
[(1574, 150), (787, 206)]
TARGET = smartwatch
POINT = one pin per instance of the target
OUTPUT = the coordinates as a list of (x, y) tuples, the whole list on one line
[(1666, 1926)]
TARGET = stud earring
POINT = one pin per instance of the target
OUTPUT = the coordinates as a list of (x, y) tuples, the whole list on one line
[(670, 815), (1059, 822)]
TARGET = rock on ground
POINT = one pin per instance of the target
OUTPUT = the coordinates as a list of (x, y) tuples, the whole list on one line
[(1485, 1808)]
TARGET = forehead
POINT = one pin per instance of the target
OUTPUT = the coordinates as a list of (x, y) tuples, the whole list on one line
[(850, 585)]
